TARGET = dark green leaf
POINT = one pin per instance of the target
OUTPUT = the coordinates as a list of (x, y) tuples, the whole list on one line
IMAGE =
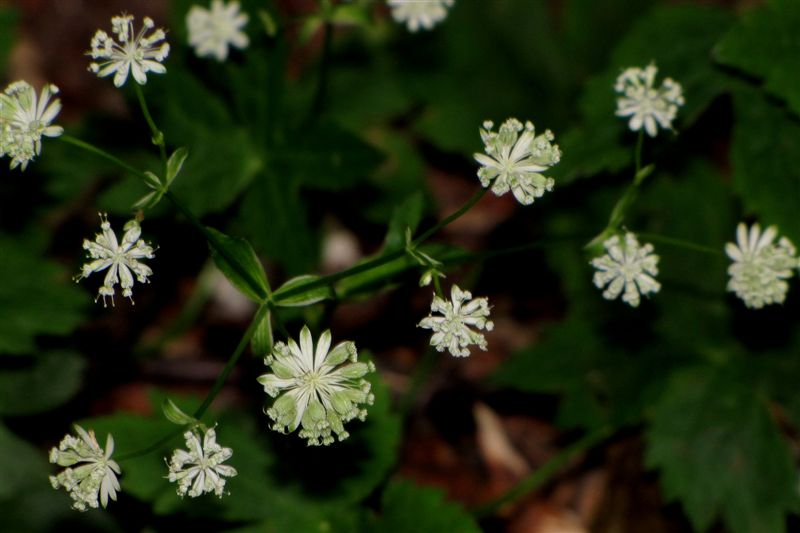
[(313, 296), (238, 261), (23, 466), (175, 163), (407, 215), (47, 380), (720, 454), (764, 44), (36, 298), (410, 508), (261, 343), (174, 414)]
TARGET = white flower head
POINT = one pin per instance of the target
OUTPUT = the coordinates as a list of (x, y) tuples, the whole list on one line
[(416, 14), (515, 159), (627, 268), (645, 104), (212, 31), (122, 259), (24, 119), (320, 389), (94, 480), (760, 267), (199, 469), (452, 331), (130, 52)]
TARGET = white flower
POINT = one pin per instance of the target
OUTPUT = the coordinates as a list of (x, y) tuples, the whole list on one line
[(418, 14), (760, 268), (627, 266), (24, 119), (646, 105), (135, 53), (211, 32), (451, 331), (513, 161), (317, 390), (95, 474), (199, 469), (121, 259)]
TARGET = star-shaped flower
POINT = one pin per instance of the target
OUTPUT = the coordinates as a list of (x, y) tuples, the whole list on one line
[(418, 14), (515, 161), (95, 474), (451, 331), (134, 53), (627, 268), (212, 31), (121, 259), (319, 389), (760, 267), (647, 105), (199, 469), (24, 119)]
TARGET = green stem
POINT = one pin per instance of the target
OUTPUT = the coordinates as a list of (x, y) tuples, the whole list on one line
[(544, 473), (464, 208), (158, 135), (679, 243), (69, 139)]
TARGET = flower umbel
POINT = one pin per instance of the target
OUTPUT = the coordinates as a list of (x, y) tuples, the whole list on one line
[(24, 119), (319, 389), (626, 266), (96, 474), (199, 469), (646, 105), (121, 259), (451, 331), (212, 31), (418, 14), (760, 267), (134, 53), (515, 161)]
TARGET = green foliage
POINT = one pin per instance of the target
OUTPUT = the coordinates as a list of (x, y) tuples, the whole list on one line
[(36, 298), (720, 453), (764, 44), (40, 383), (408, 508), (238, 261), (305, 298)]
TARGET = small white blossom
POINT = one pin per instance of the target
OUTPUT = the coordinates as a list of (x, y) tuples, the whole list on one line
[(626, 266), (199, 469), (760, 268), (646, 105), (134, 53), (24, 119), (212, 31), (121, 259), (317, 389), (416, 14), (451, 331), (95, 474), (513, 161)]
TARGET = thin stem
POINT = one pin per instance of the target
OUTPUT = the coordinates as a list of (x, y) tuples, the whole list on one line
[(158, 135), (69, 139), (671, 241), (544, 473), (464, 208)]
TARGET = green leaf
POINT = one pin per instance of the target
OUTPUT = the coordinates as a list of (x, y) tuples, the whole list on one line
[(720, 454), (175, 163), (406, 216), (261, 343), (310, 297), (410, 508), (36, 298), (238, 261), (46, 381), (23, 466), (766, 162), (174, 414), (764, 44)]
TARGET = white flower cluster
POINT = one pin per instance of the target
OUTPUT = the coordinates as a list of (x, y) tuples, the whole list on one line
[(419, 14), (212, 31), (645, 104), (315, 388), (90, 472), (122, 260), (451, 330), (515, 161), (132, 53), (627, 268), (199, 469), (760, 267), (24, 119)]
